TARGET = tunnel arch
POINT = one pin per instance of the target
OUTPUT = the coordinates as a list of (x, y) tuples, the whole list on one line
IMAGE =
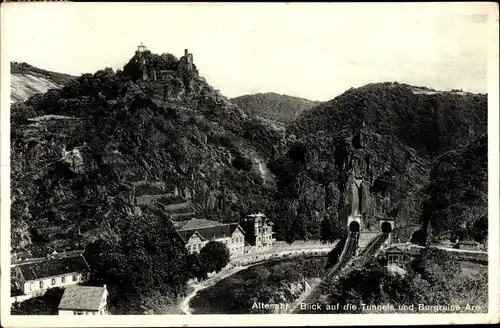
[(386, 227), (354, 226)]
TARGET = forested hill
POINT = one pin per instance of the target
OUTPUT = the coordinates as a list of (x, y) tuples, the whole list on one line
[(107, 145), (281, 109), (109, 160), (27, 80), (372, 149), (457, 204), (429, 121)]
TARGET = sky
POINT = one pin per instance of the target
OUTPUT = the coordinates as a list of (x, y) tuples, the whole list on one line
[(315, 51)]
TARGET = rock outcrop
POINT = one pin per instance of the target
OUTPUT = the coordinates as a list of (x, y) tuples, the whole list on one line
[(369, 152), (76, 174)]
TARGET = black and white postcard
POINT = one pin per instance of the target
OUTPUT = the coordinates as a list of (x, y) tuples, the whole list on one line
[(211, 164)]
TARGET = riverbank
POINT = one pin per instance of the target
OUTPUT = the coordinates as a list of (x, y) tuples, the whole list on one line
[(280, 251), (197, 287), (260, 288)]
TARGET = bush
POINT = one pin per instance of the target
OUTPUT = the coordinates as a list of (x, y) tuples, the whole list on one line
[(43, 305), (214, 256)]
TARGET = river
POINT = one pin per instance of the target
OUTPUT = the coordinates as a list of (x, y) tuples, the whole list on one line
[(280, 281)]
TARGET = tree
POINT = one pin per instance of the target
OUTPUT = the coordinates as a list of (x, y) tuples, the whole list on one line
[(42, 305), (214, 256), (198, 269), (419, 237), (480, 229), (326, 230), (144, 261), (436, 266), (331, 230)]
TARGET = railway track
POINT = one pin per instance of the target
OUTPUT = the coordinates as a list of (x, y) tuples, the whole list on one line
[(375, 245), (347, 253)]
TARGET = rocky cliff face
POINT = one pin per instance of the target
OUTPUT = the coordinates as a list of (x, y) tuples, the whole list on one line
[(103, 148), (368, 152), (110, 145), (457, 204)]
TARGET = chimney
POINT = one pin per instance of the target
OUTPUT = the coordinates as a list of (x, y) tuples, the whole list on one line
[(186, 52)]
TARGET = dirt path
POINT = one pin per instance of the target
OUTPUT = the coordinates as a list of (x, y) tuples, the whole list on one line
[(184, 305)]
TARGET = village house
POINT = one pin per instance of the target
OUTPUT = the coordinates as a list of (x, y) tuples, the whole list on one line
[(395, 256), (259, 231), (196, 233), (84, 300), (399, 255), (468, 245), (34, 278)]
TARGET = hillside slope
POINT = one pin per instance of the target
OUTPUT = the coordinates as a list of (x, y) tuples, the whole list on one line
[(370, 152), (457, 207), (271, 106), (27, 80), (110, 145)]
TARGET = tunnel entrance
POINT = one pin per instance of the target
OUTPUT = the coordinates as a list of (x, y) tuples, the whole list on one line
[(386, 227), (354, 226)]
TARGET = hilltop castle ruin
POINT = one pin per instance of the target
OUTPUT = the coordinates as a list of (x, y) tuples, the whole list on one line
[(149, 72), (169, 82)]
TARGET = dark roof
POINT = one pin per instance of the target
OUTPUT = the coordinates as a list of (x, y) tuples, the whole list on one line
[(414, 250), (394, 249), (468, 242), (210, 232), (81, 298), (179, 224), (65, 254), (53, 267), (198, 223)]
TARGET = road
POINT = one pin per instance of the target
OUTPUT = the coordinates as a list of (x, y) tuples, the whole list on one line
[(278, 250)]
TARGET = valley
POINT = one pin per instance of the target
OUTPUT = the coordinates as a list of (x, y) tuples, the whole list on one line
[(114, 162)]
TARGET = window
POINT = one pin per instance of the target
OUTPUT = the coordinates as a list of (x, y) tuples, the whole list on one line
[(41, 284), (75, 278), (53, 282), (63, 279), (78, 312), (189, 248), (31, 286)]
